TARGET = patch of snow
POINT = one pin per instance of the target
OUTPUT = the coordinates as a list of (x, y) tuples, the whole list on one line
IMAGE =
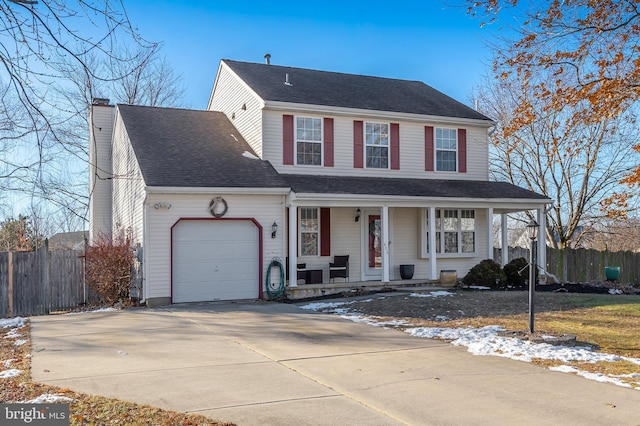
[(432, 294), (442, 318), (20, 342), (599, 377), (249, 155), (13, 334), (6, 374), (487, 341), (99, 310), (8, 362), (615, 291), (15, 322), (48, 398), (479, 287)]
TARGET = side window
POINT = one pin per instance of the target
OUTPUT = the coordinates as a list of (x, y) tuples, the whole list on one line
[(308, 141), (376, 139), (309, 231), (446, 150)]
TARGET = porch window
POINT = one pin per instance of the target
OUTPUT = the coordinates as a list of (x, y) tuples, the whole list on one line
[(309, 231), (455, 231), (309, 141), (376, 138), (446, 149)]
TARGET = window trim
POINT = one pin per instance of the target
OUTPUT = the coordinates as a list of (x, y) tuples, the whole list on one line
[(365, 145), (425, 253), (319, 232), (296, 140), (436, 150)]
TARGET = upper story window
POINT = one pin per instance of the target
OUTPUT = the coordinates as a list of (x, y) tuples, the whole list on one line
[(446, 150), (309, 231), (376, 137), (309, 141)]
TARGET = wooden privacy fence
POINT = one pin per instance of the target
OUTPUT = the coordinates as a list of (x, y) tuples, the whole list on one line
[(42, 281), (582, 265)]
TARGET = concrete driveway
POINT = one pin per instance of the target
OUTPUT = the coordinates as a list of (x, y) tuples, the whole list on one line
[(275, 364)]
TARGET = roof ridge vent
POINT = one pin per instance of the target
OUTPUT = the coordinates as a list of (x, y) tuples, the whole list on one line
[(286, 80)]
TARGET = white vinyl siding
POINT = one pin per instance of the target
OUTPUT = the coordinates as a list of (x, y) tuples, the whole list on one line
[(264, 208), (412, 151), (243, 108), (128, 186)]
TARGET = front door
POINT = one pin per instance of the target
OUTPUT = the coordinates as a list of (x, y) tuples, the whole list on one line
[(373, 236)]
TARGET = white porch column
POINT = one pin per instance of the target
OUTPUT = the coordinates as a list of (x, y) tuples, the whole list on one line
[(542, 240), (385, 244), (505, 238), (433, 267), (490, 233), (293, 240)]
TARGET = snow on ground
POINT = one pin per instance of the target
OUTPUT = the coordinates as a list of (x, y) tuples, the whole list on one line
[(488, 341), (9, 373), (48, 398)]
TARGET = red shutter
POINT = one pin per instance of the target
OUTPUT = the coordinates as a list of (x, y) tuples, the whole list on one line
[(462, 150), (328, 142), (428, 148), (358, 144), (325, 231), (395, 146), (287, 139)]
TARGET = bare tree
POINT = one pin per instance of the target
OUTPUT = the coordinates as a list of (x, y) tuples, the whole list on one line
[(576, 164), (56, 56)]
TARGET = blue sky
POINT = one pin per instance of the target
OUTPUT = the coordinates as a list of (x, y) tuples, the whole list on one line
[(417, 40)]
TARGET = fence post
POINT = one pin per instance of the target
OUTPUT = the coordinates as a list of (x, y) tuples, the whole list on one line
[(10, 282), (46, 282)]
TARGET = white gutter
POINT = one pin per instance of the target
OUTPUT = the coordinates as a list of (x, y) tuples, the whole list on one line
[(302, 197), (390, 115), (216, 190)]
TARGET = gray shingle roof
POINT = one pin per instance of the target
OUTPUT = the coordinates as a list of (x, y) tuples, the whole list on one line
[(437, 188), (188, 148), (349, 91)]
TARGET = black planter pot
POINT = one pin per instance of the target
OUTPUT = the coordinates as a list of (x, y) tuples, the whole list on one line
[(406, 272)]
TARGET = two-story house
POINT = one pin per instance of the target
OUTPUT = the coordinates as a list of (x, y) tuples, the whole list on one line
[(299, 166)]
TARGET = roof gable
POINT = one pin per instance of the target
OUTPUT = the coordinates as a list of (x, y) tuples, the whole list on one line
[(325, 88), (190, 148)]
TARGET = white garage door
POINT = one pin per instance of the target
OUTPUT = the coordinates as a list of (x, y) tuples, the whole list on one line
[(215, 260)]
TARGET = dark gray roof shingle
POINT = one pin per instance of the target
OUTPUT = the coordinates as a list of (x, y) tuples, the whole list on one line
[(349, 91), (436, 188), (188, 148)]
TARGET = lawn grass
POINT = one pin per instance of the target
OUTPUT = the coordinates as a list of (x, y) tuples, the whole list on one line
[(608, 323)]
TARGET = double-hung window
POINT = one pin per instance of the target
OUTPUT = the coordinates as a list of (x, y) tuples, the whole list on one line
[(455, 231), (309, 231), (446, 150), (309, 141), (376, 139)]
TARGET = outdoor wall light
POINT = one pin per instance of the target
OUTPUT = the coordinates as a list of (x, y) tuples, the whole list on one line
[(274, 229), (357, 218)]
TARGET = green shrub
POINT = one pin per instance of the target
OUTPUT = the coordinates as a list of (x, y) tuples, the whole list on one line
[(517, 272), (486, 273)]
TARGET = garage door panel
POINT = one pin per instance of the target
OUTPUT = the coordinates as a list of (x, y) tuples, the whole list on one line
[(215, 260)]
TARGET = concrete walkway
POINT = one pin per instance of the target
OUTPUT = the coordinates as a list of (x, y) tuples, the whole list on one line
[(275, 364)]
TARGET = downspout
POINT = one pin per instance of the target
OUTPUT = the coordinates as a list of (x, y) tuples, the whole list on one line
[(145, 264)]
